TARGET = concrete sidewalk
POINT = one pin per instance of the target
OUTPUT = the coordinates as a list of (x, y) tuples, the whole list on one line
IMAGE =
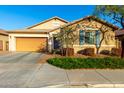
[(50, 76)]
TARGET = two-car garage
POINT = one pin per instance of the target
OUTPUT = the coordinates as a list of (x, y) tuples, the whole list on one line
[(31, 43), (37, 37)]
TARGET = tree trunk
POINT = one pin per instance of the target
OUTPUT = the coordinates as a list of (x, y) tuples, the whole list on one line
[(97, 50), (98, 47), (62, 53), (66, 51), (122, 46)]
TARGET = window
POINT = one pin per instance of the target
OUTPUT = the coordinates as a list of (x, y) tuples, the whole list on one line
[(81, 37), (86, 37), (89, 37)]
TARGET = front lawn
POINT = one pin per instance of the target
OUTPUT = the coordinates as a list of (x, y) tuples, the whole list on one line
[(98, 63)]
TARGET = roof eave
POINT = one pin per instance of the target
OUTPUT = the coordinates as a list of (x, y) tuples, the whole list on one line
[(93, 17), (27, 32), (47, 21)]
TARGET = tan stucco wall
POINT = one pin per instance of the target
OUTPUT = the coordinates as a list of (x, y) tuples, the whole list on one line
[(81, 47), (108, 43), (55, 31), (49, 24), (5, 40)]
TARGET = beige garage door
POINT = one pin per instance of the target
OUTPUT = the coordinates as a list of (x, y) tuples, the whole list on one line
[(31, 44)]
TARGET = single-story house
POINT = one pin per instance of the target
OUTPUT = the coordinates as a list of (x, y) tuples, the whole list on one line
[(40, 37), (4, 44)]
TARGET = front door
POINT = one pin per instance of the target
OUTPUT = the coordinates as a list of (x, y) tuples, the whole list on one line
[(56, 43)]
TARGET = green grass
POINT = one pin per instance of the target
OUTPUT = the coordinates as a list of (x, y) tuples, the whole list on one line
[(97, 63)]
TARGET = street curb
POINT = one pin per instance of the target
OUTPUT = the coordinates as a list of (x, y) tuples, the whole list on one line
[(108, 86), (87, 86)]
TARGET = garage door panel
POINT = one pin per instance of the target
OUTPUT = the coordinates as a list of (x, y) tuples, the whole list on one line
[(31, 44)]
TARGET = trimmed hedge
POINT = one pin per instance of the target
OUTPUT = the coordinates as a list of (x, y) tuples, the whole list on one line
[(105, 52), (97, 63), (89, 51)]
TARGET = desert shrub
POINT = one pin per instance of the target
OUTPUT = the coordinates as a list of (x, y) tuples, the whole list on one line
[(89, 51), (56, 51), (105, 52), (81, 51)]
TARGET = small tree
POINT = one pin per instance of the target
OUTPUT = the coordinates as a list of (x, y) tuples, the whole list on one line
[(103, 29), (115, 13), (67, 37)]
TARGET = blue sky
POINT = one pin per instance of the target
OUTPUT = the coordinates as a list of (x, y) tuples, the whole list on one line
[(18, 17)]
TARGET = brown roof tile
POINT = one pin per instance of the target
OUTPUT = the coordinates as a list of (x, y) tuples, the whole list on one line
[(119, 32), (90, 17), (94, 18)]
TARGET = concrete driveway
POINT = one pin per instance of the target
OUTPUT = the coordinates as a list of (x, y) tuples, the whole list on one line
[(19, 70)]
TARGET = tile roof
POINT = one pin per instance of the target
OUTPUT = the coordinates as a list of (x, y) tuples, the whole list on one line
[(119, 32), (90, 17), (95, 18)]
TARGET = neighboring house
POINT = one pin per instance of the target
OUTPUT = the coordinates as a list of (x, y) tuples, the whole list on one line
[(40, 36), (3, 40), (119, 34)]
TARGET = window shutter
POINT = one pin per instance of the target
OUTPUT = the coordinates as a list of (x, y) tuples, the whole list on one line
[(92, 37), (81, 37), (97, 38)]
